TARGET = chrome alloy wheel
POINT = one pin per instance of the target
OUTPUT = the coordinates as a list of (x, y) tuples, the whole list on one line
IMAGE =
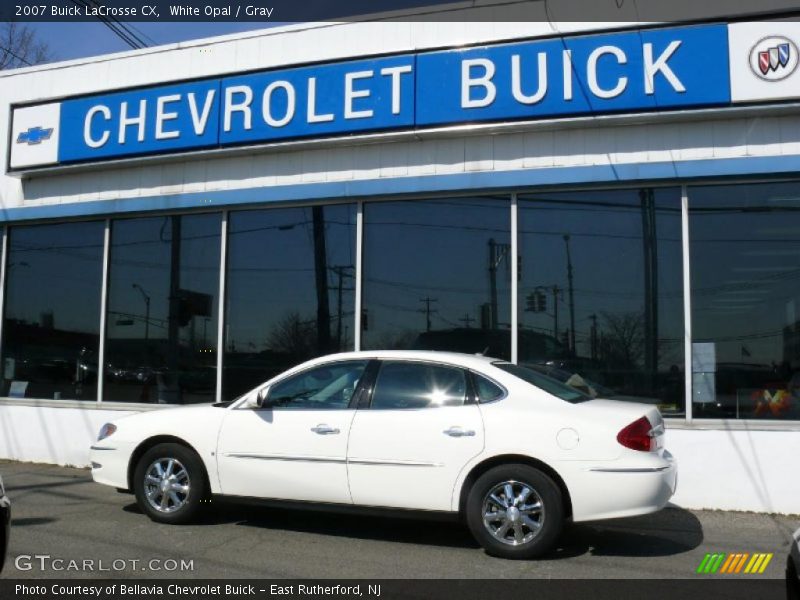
[(513, 513), (167, 485)]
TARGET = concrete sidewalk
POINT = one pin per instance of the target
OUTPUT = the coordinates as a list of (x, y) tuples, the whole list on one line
[(61, 513)]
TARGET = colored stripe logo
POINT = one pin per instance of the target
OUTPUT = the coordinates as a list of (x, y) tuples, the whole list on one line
[(734, 563)]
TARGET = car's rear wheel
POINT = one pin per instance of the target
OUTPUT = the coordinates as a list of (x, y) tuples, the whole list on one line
[(515, 511), (170, 482)]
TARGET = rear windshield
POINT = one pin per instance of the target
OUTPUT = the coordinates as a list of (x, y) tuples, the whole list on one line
[(542, 381)]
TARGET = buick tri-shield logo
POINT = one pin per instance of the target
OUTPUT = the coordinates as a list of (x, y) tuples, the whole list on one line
[(774, 58)]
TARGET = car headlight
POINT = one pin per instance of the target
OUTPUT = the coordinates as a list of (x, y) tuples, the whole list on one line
[(106, 430)]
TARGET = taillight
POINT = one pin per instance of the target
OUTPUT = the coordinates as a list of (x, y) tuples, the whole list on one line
[(639, 435)]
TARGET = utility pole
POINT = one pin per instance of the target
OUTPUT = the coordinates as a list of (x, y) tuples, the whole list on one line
[(321, 279), (146, 297), (427, 310), (593, 337), (497, 252), (171, 392), (650, 248), (341, 271), (466, 320), (571, 292), (556, 292)]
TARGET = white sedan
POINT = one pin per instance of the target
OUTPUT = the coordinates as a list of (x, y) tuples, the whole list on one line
[(512, 451)]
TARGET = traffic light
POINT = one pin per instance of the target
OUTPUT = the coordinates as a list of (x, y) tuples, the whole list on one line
[(541, 301), (537, 301), (531, 302)]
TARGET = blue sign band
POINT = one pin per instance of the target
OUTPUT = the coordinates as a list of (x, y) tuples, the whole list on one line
[(658, 69)]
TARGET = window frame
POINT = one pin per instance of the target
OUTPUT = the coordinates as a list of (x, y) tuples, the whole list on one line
[(469, 391), (286, 376), (5, 252), (473, 375)]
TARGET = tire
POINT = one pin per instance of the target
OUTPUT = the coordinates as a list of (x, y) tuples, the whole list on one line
[(186, 486), (513, 536)]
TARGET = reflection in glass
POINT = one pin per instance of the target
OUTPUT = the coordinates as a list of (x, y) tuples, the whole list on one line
[(327, 387), (601, 292), (437, 275), (745, 249), (52, 311), (162, 309), (290, 290), (406, 385)]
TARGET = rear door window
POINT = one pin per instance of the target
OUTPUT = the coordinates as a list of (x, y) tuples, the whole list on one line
[(409, 385)]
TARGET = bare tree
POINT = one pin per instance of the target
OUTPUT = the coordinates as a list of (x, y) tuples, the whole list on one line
[(623, 339), (19, 47), (295, 336)]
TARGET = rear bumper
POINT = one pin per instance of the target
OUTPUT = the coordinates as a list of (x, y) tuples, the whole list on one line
[(612, 491)]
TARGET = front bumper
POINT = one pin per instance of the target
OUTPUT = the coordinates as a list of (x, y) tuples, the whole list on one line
[(110, 464)]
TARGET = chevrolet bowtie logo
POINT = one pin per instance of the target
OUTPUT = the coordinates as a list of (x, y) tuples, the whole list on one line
[(34, 135)]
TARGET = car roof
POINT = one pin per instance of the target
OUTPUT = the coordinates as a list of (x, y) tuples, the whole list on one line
[(454, 358)]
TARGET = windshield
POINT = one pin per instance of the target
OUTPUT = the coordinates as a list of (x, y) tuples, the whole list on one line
[(548, 384)]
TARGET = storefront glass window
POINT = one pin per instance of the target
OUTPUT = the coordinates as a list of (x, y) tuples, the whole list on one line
[(162, 309), (437, 275), (745, 249), (601, 292), (290, 290), (52, 311)]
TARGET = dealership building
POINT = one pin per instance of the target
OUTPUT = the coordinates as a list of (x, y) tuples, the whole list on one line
[(615, 204)]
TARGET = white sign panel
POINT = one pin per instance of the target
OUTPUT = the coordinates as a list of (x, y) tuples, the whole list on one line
[(34, 135), (704, 357), (764, 60)]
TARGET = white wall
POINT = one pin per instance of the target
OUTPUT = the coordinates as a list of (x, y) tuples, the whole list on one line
[(742, 469), (60, 436), (751, 470)]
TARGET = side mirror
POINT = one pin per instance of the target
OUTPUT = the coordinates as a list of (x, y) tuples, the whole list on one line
[(261, 397)]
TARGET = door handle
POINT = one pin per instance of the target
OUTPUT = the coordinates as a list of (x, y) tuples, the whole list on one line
[(459, 432), (323, 429)]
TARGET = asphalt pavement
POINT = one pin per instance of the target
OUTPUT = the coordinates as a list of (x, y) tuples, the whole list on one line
[(88, 530)]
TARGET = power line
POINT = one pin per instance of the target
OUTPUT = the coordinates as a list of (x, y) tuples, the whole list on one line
[(119, 29), (15, 55)]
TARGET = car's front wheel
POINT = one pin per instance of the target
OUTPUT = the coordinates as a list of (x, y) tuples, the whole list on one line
[(170, 482), (515, 511)]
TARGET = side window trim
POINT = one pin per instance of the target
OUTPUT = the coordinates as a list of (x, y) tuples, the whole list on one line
[(362, 398), (472, 388)]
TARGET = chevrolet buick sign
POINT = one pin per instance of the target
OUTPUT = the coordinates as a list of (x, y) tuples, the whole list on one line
[(633, 71)]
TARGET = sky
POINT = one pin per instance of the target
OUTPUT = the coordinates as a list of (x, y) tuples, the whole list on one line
[(68, 41)]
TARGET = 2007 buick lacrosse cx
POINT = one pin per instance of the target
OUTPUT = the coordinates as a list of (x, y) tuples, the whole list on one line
[(511, 451)]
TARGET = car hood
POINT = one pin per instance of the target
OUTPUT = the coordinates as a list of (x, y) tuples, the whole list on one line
[(173, 415)]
